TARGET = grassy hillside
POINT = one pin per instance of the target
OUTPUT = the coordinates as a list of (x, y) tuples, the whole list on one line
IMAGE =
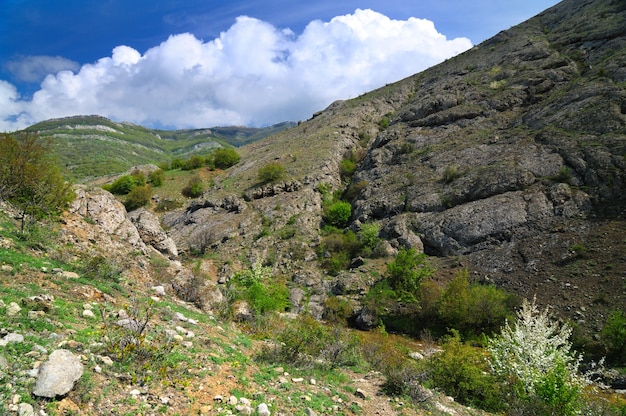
[(93, 146)]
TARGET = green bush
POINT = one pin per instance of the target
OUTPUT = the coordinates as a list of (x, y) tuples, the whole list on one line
[(272, 172), (138, 197), (156, 178), (347, 168), (338, 214), (614, 337), (194, 188), (224, 158), (337, 249), (194, 162), (407, 270), (474, 309), (122, 185), (462, 372), (451, 173)]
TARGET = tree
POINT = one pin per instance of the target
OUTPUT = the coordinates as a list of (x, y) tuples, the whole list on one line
[(534, 357), (338, 213), (30, 179)]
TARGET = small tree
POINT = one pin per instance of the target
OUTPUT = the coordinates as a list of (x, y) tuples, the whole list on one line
[(534, 357), (30, 179), (407, 270), (272, 172)]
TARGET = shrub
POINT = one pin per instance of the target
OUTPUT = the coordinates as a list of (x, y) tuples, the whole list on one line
[(177, 163), (194, 188), (224, 158), (122, 185), (354, 190), (156, 178), (194, 162), (462, 372), (614, 337), (450, 174), (347, 168), (535, 360), (338, 213), (272, 172), (474, 309), (138, 197), (407, 270), (369, 240)]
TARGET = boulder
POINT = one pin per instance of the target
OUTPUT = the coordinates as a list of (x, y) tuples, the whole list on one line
[(151, 233), (58, 374)]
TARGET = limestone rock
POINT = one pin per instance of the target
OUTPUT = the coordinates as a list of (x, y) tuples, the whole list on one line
[(151, 232), (58, 374)]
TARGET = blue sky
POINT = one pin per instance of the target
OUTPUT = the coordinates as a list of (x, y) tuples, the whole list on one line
[(201, 63)]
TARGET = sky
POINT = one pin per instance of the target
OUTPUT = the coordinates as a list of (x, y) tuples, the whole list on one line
[(203, 63)]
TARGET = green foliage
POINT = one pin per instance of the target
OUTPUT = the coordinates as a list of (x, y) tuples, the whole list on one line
[(156, 178), (407, 270), (194, 162), (261, 289), (462, 372), (224, 158), (272, 172), (194, 187), (347, 168), (305, 342), (100, 267), (177, 163), (474, 309), (122, 185), (614, 337), (30, 179), (337, 249), (338, 213), (138, 197), (370, 242)]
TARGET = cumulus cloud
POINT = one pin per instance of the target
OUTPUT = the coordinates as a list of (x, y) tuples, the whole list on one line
[(35, 68), (253, 74)]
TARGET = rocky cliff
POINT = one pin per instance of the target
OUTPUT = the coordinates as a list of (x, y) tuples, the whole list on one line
[(508, 160)]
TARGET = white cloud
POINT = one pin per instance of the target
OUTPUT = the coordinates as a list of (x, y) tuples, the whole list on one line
[(35, 68), (253, 74)]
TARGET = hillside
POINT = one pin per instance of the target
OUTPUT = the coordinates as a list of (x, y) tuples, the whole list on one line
[(505, 166), (93, 146), (508, 160)]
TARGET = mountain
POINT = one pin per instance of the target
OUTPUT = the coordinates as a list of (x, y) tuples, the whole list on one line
[(506, 164), (508, 160), (93, 146)]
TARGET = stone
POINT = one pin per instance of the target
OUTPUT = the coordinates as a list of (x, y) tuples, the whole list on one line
[(360, 394), (263, 410), (12, 337), (25, 409), (13, 309), (159, 290), (87, 313), (58, 374)]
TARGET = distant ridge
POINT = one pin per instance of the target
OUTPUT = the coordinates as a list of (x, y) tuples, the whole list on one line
[(92, 146)]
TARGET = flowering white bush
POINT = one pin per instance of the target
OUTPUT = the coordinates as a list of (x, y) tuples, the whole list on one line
[(534, 356)]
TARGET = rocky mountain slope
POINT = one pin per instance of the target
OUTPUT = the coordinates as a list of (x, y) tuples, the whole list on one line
[(508, 160)]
